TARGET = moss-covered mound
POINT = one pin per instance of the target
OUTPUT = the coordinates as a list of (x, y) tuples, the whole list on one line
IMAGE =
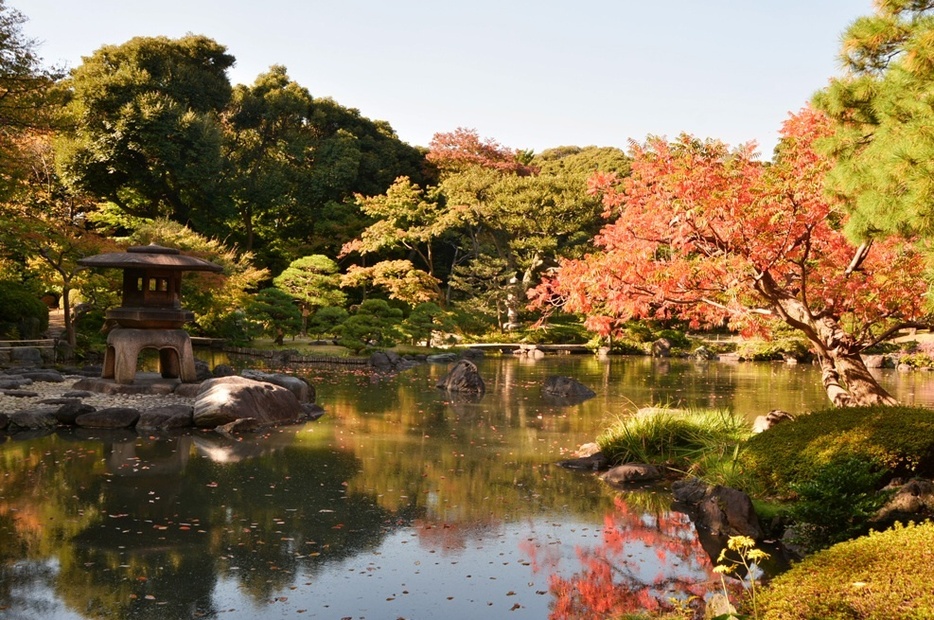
[(882, 576), (898, 439)]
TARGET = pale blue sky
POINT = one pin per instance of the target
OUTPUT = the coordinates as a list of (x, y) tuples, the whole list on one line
[(531, 74)]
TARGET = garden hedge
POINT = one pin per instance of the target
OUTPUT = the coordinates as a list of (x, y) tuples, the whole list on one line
[(882, 576), (899, 440)]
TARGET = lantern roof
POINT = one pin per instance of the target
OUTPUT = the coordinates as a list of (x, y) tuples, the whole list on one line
[(143, 256)]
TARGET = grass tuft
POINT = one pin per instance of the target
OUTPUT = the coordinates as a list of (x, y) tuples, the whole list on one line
[(690, 441)]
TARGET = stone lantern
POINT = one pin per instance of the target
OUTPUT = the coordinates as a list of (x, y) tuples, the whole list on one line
[(151, 315)]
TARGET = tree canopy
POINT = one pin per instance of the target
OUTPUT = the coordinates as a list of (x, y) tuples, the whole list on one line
[(883, 114), (146, 134), (711, 235)]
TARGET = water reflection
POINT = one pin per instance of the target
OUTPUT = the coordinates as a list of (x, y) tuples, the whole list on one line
[(403, 501)]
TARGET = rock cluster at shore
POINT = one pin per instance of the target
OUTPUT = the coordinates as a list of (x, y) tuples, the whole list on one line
[(41, 399)]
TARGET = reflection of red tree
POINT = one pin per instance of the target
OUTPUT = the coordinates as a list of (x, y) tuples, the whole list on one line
[(644, 561), (452, 536)]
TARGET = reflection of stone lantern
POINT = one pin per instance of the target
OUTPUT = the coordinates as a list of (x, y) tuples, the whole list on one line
[(151, 315)]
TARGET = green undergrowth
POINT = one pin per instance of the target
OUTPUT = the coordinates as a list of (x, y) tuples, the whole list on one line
[(688, 441), (878, 577), (899, 441)]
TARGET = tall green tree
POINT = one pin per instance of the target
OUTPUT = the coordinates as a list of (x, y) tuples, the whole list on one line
[(883, 112), (267, 147), (145, 131)]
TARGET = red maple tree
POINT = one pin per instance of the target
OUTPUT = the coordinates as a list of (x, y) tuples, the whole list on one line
[(712, 235), (463, 147)]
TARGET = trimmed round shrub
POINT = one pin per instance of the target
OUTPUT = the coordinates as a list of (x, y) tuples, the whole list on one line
[(882, 576), (22, 313), (899, 440)]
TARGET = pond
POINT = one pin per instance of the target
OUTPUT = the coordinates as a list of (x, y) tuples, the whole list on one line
[(402, 502)]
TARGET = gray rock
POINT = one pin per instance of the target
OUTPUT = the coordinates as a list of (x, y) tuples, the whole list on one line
[(39, 419), (592, 462), (67, 413), (302, 390), (661, 348), (225, 399), (187, 390), (442, 358), (59, 401), (566, 388), (704, 354), (14, 382), (913, 500), (463, 377), (689, 491), (224, 370), (4, 421), (20, 393), (767, 421), (202, 371), (50, 376), (111, 417), (166, 417), (632, 473), (77, 394), (720, 510)]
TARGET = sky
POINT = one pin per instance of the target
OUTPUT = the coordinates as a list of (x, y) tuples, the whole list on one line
[(529, 74)]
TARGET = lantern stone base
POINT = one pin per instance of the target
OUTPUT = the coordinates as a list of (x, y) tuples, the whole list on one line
[(176, 359)]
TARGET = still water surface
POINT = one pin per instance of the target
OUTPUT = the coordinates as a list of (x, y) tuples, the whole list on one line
[(402, 502)]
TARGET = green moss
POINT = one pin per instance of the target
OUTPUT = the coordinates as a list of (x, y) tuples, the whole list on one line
[(878, 577), (898, 439)]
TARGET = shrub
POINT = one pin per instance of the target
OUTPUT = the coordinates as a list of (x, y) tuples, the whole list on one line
[(778, 349), (325, 321), (22, 313), (837, 503), (877, 577), (899, 439), (375, 324), (676, 439)]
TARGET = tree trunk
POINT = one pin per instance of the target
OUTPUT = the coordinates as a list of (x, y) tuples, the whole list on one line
[(70, 335), (849, 383), (846, 379)]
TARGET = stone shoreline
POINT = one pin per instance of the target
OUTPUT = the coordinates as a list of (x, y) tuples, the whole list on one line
[(46, 390)]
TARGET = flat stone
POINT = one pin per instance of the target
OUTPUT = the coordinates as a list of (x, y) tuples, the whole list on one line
[(13, 382), (632, 473), (20, 393), (59, 401), (49, 376), (111, 417), (77, 394)]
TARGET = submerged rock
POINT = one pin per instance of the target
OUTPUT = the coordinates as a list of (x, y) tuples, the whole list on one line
[(566, 389), (632, 473), (463, 377)]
